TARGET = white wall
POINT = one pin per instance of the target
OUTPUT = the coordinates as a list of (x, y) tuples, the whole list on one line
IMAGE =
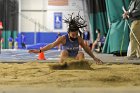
[(32, 11), (32, 15), (29, 20), (31, 4)]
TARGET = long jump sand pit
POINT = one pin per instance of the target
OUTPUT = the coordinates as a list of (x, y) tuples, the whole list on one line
[(39, 74), (70, 64)]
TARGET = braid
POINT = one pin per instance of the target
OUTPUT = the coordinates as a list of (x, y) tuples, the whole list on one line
[(74, 23)]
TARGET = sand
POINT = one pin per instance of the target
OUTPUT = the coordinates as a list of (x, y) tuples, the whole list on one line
[(34, 74)]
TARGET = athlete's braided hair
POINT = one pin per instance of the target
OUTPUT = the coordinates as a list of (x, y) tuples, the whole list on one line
[(75, 22)]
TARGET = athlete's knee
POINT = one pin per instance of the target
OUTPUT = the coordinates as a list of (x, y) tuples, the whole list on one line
[(81, 54)]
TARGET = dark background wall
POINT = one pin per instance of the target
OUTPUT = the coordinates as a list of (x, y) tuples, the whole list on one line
[(98, 16), (9, 14), (9, 18)]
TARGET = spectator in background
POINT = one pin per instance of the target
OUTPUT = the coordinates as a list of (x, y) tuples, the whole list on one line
[(10, 42), (59, 46), (134, 15), (1, 42), (16, 42), (86, 36), (99, 42), (23, 41)]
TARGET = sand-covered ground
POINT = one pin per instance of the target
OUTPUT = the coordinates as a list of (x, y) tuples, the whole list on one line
[(39, 74)]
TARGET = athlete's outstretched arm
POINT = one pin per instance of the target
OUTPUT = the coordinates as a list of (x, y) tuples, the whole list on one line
[(88, 51), (49, 46)]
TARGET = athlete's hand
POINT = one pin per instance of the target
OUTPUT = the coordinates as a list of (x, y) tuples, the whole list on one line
[(34, 51), (125, 15), (98, 61)]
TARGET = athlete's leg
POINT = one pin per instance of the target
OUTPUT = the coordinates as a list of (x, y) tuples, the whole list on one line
[(64, 54), (80, 56)]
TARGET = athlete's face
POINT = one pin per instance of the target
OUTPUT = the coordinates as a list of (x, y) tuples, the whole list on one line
[(73, 35)]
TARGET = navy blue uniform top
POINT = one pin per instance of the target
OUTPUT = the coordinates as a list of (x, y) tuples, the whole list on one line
[(71, 46), (86, 35), (10, 39)]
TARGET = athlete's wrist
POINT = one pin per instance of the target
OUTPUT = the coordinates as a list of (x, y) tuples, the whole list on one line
[(40, 50)]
